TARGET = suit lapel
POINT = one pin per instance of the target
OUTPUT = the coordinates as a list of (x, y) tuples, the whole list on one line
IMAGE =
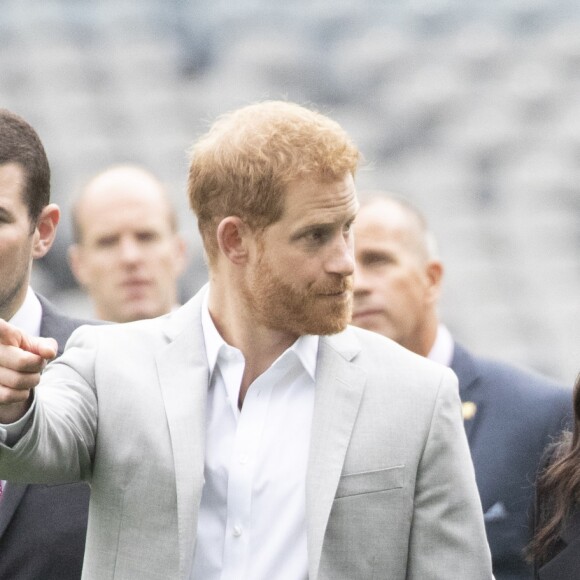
[(183, 376), (10, 500), (56, 325), (473, 406), (339, 389)]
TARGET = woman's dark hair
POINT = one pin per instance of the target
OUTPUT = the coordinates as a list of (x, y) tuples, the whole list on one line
[(558, 487)]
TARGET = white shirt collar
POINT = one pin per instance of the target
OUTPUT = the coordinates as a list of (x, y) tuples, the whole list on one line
[(305, 348), (29, 316), (443, 347)]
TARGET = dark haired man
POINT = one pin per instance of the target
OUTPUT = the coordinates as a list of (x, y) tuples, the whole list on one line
[(42, 527)]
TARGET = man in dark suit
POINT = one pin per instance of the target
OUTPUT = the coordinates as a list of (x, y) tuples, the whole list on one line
[(510, 414), (42, 527)]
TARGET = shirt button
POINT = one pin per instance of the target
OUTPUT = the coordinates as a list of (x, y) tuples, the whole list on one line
[(243, 459), (237, 531)]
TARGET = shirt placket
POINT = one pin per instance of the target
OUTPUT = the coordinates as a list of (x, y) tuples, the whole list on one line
[(243, 465)]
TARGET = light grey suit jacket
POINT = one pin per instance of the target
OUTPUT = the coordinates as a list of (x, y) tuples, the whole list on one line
[(390, 486)]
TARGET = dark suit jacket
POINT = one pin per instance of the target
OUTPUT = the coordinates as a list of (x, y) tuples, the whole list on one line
[(43, 527), (564, 562), (517, 414)]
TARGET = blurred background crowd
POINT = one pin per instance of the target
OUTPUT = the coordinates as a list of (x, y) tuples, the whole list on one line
[(469, 109)]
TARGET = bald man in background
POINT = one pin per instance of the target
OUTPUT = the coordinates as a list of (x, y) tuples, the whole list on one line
[(510, 414), (128, 254)]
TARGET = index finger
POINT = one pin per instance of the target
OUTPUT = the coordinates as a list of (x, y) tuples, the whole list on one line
[(12, 336), (17, 359)]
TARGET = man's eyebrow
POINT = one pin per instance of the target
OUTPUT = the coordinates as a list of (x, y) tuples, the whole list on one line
[(370, 253), (327, 225), (320, 226), (106, 237)]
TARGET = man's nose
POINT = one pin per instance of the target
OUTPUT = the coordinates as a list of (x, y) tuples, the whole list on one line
[(130, 249), (341, 260)]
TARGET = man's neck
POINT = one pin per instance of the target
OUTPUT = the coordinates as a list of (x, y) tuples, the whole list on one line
[(443, 347), (14, 303), (424, 337), (260, 345)]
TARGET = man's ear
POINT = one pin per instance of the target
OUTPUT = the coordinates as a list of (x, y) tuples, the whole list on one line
[(45, 230), (434, 272), (231, 236)]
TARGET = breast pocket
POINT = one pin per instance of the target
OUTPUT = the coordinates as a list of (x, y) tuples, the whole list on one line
[(371, 481)]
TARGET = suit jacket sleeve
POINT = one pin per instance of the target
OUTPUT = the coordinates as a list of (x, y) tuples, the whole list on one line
[(57, 450), (448, 533)]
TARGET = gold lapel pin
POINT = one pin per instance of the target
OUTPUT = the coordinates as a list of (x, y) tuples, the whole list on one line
[(469, 409)]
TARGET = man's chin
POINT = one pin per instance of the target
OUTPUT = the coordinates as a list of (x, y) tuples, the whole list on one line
[(331, 331), (331, 325), (139, 312)]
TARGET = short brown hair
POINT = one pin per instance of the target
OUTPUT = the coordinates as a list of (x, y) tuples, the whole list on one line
[(20, 144), (244, 164)]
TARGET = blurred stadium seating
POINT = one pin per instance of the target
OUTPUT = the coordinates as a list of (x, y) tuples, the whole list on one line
[(470, 109)]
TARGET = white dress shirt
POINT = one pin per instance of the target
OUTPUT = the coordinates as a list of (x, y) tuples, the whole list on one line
[(252, 523), (29, 316), (443, 347)]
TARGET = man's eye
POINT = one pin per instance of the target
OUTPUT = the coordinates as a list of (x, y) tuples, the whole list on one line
[(348, 227), (317, 236), (147, 236), (106, 242), (378, 260)]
